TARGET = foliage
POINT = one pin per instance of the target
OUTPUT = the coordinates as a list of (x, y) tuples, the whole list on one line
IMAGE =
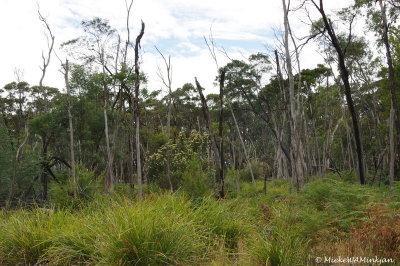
[(181, 153)]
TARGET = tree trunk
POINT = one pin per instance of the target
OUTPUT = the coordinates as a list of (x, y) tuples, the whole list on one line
[(221, 136), (347, 91), (109, 179), (391, 148), (206, 114), (71, 131), (296, 144), (392, 85), (243, 145), (137, 112)]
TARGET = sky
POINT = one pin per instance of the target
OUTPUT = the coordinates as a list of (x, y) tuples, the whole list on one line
[(176, 27)]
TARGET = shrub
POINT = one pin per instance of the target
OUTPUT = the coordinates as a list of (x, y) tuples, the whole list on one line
[(195, 182), (61, 195)]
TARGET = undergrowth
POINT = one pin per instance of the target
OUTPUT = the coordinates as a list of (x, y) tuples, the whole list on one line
[(328, 217)]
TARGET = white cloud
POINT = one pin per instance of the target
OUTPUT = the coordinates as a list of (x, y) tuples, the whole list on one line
[(175, 25)]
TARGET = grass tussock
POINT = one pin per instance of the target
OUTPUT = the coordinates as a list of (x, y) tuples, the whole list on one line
[(327, 218), (161, 230)]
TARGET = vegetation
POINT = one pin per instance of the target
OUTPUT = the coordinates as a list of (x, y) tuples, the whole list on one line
[(329, 216), (284, 165)]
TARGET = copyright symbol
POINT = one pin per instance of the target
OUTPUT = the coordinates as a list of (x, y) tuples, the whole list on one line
[(318, 260)]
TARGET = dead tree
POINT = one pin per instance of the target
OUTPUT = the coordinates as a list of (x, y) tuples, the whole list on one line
[(211, 133), (137, 112), (46, 61), (168, 84)]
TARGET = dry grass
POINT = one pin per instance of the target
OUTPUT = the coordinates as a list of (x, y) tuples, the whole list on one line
[(378, 235)]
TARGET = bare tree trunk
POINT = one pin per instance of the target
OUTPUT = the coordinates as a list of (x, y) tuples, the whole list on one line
[(221, 136), (137, 112), (391, 148), (243, 145), (394, 110), (211, 134), (71, 131), (109, 179), (296, 145), (168, 84), (282, 157), (46, 62)]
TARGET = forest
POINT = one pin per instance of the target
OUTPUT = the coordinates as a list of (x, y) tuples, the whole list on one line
[(277, 165)]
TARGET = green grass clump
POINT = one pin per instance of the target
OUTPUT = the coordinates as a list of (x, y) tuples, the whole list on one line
[(344, 203), (160, 230), (281, 247), (249, 228), (26, 235), (222, 221)]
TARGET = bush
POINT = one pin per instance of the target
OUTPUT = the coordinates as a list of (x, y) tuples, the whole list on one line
[(61, 194), (258, 171), (342, 201), (195, 182)]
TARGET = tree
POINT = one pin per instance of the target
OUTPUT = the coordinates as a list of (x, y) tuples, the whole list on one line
[(328, 27), (168, 84), (137, 112), (297, 153), (382, 27)]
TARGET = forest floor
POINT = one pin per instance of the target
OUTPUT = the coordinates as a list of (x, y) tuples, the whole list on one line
[(328, 223)]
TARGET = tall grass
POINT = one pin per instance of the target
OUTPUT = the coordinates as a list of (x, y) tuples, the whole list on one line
[(328, 217), (161, 230)]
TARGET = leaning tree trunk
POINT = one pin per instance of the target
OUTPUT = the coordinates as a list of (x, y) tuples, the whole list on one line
[(347, 90)]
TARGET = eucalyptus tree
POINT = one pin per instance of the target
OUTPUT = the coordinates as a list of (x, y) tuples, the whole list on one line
[(94, 47), (381, 15), (326, 28), (297, 151)]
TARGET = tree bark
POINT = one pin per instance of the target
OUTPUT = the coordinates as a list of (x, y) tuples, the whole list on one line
[(244, 147), (221, 134), (392, 85), (296, 144), (71, 131), (391, 148), (137, 112), (109, 179), (211, 134)]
